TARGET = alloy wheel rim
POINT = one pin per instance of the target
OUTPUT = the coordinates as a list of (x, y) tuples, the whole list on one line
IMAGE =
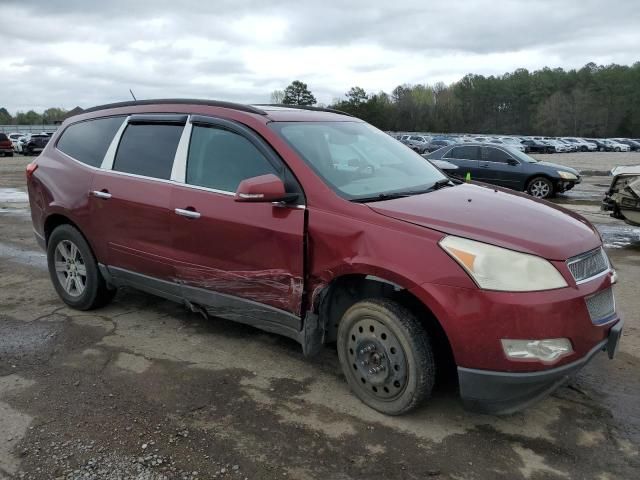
[(378, 362), (70, 267), (539, 189)]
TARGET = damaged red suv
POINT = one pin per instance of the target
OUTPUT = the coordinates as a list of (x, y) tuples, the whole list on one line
[(317, 226)]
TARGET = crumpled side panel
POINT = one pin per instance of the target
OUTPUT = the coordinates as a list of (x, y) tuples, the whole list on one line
[(274, 287)]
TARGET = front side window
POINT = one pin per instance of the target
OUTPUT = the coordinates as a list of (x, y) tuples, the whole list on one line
[(148, 150), (89, 141), (495, 155), (358, 161), (220, 159)]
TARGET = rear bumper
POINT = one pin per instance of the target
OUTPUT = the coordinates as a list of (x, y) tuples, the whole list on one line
[(491, 392)]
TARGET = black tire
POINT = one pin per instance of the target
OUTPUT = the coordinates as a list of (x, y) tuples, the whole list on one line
[(377, 333), (540, 187), (95, 292), (617, 149)]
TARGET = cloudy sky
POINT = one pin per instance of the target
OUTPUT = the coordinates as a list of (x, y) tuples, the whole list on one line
[(88, 52)]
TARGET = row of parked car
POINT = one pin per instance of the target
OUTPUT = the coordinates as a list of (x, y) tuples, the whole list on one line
[(424, 143), (23, 143)]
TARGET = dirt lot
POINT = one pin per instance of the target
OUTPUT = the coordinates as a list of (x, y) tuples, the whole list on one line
[(143, 389)]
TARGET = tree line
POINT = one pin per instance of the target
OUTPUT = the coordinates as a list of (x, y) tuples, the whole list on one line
[(594, 101), (49, 116)]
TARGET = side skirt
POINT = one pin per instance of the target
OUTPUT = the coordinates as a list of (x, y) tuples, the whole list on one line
[(213, 303)]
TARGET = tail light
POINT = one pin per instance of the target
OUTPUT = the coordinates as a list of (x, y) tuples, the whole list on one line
[(30, 169)]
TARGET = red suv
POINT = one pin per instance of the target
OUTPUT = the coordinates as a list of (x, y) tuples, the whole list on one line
[(317, 226)]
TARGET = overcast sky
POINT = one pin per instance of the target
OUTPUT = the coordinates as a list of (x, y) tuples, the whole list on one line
[(87, 52)]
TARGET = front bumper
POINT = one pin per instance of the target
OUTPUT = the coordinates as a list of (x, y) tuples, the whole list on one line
[(486, 391)]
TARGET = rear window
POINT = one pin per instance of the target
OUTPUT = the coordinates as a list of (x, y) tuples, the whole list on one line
[(148, 150), (89, 141)]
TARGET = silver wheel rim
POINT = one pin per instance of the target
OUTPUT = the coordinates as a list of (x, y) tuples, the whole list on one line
[(540, 189), (70, 268)]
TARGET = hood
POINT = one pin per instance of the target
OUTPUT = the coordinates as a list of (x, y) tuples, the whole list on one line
[(626, 170), (559, 167), (499, 217)]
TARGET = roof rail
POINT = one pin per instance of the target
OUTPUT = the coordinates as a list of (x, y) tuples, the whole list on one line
[(180, 101), (304, 107)]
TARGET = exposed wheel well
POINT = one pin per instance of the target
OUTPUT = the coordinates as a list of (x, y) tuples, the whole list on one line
[(344, 291), (55, 220)]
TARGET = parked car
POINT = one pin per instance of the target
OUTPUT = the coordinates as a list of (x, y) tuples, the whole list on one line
[(239, 211), (510, 168), (601, 145), (34, 143), (14, 137), (623, 197), (6, 148), (616, 146), (500, 141), (535, 146), (435, 144), (633, 145), (582, 144), (418, 143)]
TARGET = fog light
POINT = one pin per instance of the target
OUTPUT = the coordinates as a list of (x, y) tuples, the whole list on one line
[(547, 350)]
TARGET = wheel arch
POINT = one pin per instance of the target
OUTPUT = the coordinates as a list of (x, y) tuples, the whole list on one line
[(55, 219), (334, 298)]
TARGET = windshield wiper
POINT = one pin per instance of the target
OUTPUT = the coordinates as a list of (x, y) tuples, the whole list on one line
[(444, 182), (381, 197)]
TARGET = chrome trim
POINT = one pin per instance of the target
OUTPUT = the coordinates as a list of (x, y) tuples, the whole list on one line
[(601, 274), (143, 177), (187, 213), (77, 161), (207, 189), (110, 155), (179, 168), (99, 194), (582, 256)]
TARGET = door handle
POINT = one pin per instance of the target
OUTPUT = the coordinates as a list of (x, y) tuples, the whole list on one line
[(187, 213), (101, 194)]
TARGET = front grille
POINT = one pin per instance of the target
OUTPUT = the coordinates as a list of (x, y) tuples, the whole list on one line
[(601, 306), (588, 264)]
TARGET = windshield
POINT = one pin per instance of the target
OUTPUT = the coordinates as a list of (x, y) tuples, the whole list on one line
[(359, 161)]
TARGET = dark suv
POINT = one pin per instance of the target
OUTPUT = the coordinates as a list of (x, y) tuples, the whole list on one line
[(508, 167), (317, 226)]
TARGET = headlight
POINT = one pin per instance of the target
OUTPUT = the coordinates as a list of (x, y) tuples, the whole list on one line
[(567, 175), (496, 268)]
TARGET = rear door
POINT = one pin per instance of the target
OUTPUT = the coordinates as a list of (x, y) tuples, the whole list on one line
[(466, 158), (244, 261), (131, 197)]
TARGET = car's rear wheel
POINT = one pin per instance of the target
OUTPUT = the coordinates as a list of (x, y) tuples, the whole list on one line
[(74, 270), (386, 356), (540, 187)]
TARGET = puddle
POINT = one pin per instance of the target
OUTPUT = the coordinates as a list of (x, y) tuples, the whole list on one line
[(14, 212), (13, 195), (619, 236), (28, 257)]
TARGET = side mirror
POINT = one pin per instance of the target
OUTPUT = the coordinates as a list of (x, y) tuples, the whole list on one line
[(264, 188)]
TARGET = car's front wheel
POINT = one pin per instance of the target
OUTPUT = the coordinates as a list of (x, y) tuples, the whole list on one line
[(540, 187), (386, 356), (74, 270)]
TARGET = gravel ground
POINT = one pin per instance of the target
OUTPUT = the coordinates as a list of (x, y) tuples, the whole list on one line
[(143, 389)]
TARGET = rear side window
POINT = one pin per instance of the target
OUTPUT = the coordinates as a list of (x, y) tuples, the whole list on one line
[(88, 141), (220, 159), (148, 150), (463, 153)]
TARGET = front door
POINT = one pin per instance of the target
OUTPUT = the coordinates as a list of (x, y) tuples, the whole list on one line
[(500, 168), (242, 261)]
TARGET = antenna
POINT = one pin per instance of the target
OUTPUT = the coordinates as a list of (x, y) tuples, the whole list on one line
[(134, 97)]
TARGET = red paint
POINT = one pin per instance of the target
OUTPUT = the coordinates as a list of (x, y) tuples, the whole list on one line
[(255, 250)]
